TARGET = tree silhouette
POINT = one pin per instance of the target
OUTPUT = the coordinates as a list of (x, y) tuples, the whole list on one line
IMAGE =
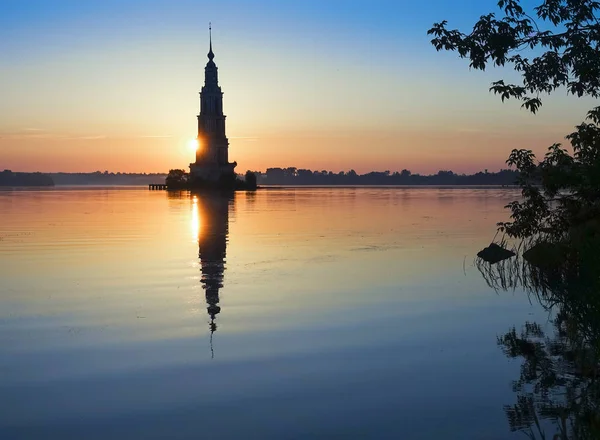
[(176, 178), (293, 176), (250, 179), (564, 41)]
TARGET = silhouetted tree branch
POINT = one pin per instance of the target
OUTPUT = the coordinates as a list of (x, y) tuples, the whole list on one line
[(562, 192), (570, 43)]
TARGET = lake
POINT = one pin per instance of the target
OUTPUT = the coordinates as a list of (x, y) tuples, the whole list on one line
[(286, 313)]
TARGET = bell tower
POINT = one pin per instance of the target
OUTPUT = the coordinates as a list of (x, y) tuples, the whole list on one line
[(212, 155)]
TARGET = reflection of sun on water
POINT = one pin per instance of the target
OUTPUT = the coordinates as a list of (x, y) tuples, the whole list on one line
[(195, 222), (193, 144)]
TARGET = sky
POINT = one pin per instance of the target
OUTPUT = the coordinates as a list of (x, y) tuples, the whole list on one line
[(320, 84)]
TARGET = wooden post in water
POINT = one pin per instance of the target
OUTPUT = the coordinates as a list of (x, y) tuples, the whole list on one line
[(157, 186)]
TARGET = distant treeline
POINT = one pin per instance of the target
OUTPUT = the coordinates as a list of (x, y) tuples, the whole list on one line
[(106, 178), (294, 176), (8, 178), (273, 176)]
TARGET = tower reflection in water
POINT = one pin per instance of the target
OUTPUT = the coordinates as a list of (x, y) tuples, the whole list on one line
[(211, 221)]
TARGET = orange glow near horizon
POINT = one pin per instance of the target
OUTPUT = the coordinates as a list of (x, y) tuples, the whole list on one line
[(418, 150), (131, 104)]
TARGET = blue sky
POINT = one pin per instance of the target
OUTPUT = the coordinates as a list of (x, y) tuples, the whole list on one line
[(322, 84)]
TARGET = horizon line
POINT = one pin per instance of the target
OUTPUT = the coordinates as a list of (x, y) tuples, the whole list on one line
[(265, 171)]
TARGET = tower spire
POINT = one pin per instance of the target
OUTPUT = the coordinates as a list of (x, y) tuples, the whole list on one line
[(211, 55)]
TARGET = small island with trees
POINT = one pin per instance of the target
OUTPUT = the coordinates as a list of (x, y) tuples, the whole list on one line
[(178, 179)]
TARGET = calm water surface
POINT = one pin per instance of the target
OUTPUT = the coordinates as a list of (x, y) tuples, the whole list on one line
[(285, 313)]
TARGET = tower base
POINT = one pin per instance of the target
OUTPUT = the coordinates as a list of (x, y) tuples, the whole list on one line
[(213, 173), (212, 176)]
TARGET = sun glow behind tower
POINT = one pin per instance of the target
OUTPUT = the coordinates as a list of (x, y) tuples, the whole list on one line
[(193, 145)]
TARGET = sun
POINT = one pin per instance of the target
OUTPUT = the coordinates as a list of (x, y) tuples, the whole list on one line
[(193, 144)]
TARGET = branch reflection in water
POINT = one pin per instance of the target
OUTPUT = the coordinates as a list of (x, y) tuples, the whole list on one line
[(558, 394)]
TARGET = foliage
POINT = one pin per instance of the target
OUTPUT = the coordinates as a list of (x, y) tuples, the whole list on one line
[(106, 178), (571, 53), (8, 178), (250, 179), (561, 203), (561, 194), (295, 176), (562, 191), (176, 178)]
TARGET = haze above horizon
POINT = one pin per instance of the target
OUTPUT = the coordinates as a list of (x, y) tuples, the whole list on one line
[(322, 85)]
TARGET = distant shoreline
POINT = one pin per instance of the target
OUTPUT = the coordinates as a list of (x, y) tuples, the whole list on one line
[(276, 177), (391, 186), (10, 179), (91, 187)]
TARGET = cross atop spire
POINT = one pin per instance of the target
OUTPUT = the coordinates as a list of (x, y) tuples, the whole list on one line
[(211, 55)]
